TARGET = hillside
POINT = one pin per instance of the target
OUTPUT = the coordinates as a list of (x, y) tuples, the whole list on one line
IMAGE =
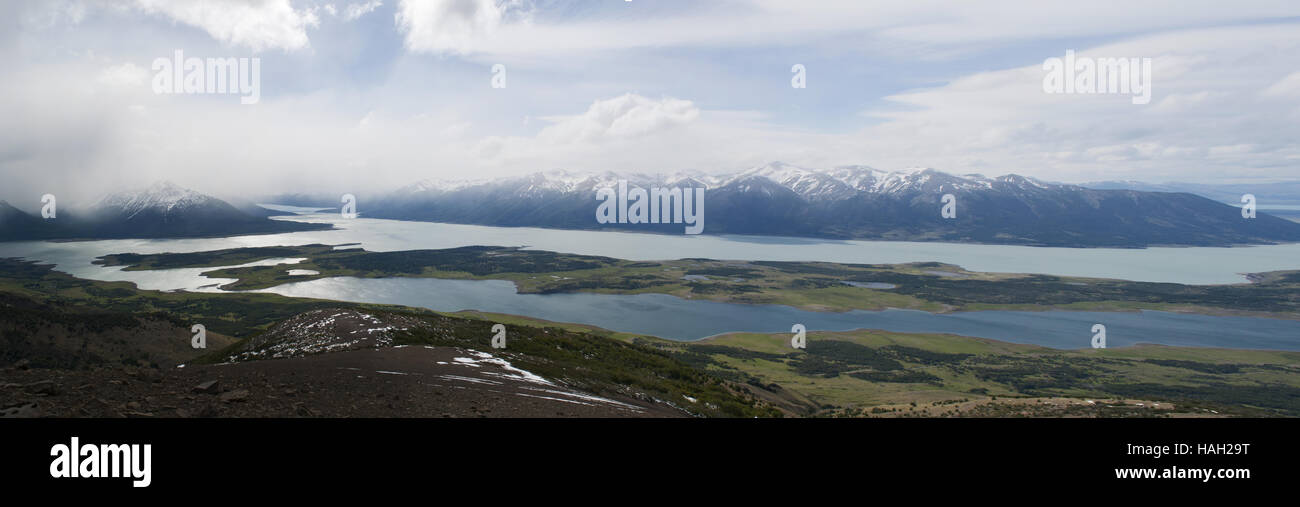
[(72, 343)]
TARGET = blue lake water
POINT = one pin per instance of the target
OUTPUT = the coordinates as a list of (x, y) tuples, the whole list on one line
[(1198, 265), (682, 319)]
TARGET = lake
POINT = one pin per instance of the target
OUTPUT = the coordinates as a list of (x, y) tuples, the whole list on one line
[(683, 319), (1193, 265)]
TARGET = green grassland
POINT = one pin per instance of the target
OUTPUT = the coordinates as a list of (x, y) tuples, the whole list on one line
[(865, 372), (818, 286)]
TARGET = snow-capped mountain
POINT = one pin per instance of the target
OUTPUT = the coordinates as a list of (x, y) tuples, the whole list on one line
[(839, 183), (164, 198), (847, 202), (843, 182), (163, 209), (858, 202), (807, 183)]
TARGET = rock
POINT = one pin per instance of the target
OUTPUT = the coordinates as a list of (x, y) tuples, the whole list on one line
[(146, 375), (209, 387), (21, 364), (30, 409), (46, 387), (233, 396), (180, 412), (133, 405), (210, 410)]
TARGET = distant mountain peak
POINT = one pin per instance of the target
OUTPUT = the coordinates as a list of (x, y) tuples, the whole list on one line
[(836, 183), (161, 210), (161, 196)]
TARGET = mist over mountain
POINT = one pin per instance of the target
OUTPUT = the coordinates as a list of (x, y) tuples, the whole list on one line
[(854, 202), (160, 211)]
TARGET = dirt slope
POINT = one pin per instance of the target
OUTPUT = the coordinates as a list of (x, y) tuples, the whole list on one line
[(385, 382)]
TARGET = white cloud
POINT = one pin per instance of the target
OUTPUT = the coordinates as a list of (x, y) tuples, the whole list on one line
[(41, 15), (924, 27), (1207, 119), (255, 24), (126, 74), (450, 26), (1224, 100), (1288, 86), (621, 117), (1179, 102), (354, 11)]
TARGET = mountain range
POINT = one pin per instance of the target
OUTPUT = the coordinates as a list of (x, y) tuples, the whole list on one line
[(162, 210), (846, 202), (854, 202)]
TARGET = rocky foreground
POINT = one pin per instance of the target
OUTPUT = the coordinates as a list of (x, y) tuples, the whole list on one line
[(386, 382), (331, 363)]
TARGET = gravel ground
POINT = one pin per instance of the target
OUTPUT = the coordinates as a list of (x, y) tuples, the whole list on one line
[(386, 382)]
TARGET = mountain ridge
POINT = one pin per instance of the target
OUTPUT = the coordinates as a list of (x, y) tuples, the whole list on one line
[(160, 210), (855, 202), (774, 199)]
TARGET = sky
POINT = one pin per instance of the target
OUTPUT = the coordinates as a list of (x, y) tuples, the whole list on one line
[(366, 95)]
